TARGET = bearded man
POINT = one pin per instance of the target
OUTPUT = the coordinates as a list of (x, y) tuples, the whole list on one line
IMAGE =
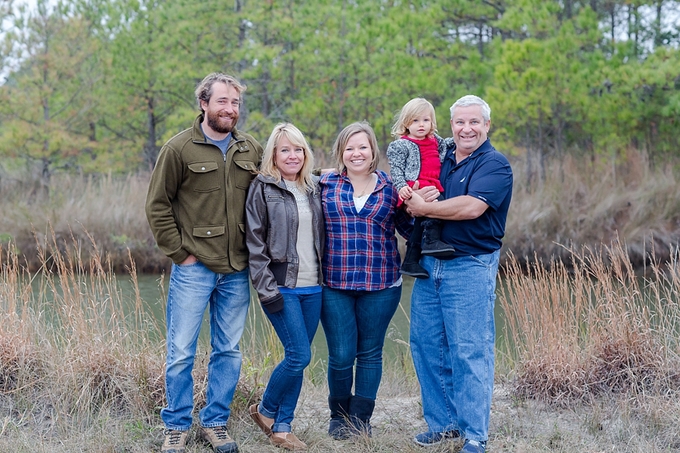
[(196, 210)]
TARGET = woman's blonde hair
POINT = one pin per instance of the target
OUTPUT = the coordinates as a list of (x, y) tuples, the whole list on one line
[(347, 133), (412, 109), (297, 139)]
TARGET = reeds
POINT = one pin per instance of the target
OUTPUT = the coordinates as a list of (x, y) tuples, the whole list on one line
[(72, 343), (80, 363), (592, 327), (77, 351)]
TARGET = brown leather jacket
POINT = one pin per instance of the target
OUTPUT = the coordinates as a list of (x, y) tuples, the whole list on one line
[(271, 238)]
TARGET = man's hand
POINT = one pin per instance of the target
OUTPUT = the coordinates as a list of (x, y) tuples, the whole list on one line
[(416, 205), (191, 259), (427, 193)]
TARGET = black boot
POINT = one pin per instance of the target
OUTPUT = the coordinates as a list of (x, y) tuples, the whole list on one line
[(411, 265), (432, 243), (360, 412), (339, 428)]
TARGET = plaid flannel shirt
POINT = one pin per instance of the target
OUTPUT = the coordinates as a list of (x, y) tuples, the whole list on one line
[(361, 247)]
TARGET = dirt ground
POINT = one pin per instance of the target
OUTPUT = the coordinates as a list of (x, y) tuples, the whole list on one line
[(614, 424)]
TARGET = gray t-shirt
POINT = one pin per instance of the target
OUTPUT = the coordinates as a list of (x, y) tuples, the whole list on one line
[(221, 144)]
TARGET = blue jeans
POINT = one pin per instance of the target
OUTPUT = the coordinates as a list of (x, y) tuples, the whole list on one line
[(295, 325), (452, 342), (355, 323), (194, 287)]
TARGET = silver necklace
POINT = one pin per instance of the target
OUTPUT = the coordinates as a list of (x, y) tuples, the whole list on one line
[(363, 191)]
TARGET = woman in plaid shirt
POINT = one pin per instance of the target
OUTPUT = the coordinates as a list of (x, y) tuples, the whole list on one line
[(361, 276)]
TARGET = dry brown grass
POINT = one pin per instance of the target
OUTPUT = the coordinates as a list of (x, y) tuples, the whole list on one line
[(71, 343), (105, 208), (76, 354), (592, 328), (591, 361), (581, 202), (589, 203), (79, 375)]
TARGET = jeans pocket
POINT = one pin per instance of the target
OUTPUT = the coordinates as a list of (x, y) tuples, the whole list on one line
[(489, 260)]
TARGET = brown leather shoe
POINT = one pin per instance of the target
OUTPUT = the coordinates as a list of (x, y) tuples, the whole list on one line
[(289, 442), (259, 420)]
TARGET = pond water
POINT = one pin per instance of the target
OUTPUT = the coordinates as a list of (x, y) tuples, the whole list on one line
[(153, 289)]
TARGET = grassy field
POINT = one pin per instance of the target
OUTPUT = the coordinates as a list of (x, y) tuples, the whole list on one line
[(589, 361), (590, 364)]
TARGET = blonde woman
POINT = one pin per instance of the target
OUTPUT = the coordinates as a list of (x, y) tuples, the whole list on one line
[(284, 235)]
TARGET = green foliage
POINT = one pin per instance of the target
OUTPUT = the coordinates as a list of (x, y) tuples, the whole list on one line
[(6, 13), (541, 89), (148, 78), (47, 102), (102, 84)]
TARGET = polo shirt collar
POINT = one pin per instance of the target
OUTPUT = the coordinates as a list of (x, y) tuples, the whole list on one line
[(483, 148)]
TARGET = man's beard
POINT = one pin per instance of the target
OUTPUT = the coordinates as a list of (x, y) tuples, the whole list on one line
[(221, 124)]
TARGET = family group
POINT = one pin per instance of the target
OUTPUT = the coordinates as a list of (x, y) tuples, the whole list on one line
[(321, 246)]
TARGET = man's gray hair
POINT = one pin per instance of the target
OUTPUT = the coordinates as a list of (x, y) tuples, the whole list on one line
[(469, 100)]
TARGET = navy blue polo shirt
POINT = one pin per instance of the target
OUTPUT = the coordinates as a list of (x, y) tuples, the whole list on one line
[(485, 174)]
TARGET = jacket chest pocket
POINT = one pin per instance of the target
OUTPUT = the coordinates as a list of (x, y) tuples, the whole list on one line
[(276, 210), (274, 198), (279, 223), (244, 172), (204, 177)]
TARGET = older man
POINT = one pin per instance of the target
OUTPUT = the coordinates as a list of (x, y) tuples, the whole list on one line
[(452, 312), (196, 211)]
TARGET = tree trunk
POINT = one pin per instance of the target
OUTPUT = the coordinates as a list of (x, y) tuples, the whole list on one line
[(541, 149), (658, 36), (340, 83), (150, 150)]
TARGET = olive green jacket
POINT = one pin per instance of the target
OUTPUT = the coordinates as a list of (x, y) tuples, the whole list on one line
[(196, 199)]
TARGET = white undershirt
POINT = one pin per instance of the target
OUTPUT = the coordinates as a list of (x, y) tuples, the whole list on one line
[(360, 202)]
